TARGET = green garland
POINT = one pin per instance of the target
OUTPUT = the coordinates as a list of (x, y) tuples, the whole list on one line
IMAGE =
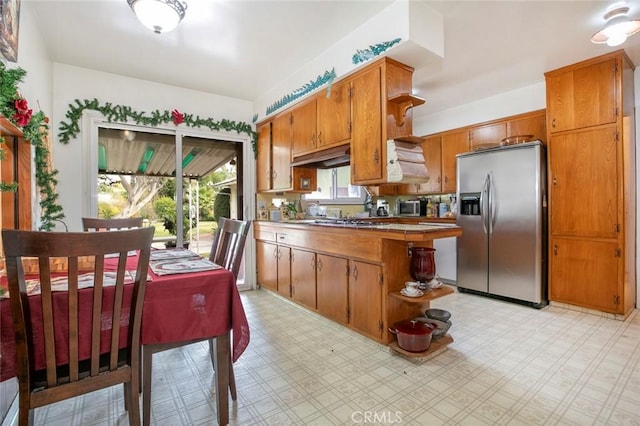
[(123, 113), (35, 129)]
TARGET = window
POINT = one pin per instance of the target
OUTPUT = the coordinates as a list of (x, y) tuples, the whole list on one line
[(334, 187)]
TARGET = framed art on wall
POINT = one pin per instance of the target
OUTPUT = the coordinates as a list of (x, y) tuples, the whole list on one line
[(9, 22)]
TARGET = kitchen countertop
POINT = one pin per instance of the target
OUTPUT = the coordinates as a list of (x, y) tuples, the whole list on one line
[(385, 230)]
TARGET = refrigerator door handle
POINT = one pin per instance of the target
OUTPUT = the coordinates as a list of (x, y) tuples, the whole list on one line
[(491, 198), (484, 198)]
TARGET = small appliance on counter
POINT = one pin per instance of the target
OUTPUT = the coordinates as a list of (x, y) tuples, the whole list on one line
[(411, 207), (382, 208)]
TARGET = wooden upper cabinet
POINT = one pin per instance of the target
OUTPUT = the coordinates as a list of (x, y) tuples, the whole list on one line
[(281, 152), (432, 149), (303, 128), (263, 162), (367, 159), (582, 95), (452, 145), (534, 124), (488, 134), (334, 115), (583, 183)]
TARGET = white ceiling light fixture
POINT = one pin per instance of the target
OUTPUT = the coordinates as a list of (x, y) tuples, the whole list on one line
[(159, 16), (618, 26)]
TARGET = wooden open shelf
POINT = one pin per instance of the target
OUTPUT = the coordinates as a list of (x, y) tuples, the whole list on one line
[(427, 296), (435, 346), (401, 103)]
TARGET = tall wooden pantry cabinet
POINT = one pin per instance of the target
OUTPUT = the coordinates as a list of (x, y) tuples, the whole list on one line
[(592, 188)]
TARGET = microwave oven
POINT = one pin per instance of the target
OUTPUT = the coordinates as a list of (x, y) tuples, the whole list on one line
[(412, 208)]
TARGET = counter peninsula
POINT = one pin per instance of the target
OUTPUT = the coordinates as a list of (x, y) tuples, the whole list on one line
[(350, 274)]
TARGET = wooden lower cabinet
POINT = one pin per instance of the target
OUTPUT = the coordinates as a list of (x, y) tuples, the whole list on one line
[(303, 277), (332, 281), (585, 272), (365, 298), (273, 266), (284, 270), (266, 262)]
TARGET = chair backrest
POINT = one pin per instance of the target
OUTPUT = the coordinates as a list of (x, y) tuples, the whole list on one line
[(96, 224), (228, 243), (69, 341)]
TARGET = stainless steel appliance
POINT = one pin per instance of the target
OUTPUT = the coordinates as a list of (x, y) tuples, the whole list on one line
[(502, 211), (411, 208)]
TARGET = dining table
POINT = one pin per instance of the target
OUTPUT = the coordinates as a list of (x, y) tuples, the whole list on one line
[(180, 304)]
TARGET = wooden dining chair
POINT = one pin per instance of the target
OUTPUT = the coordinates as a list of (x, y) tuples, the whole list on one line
[(66, 344), (227, 250), (99, 224)]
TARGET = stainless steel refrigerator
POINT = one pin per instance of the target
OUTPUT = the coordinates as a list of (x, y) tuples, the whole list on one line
[(502, 211)]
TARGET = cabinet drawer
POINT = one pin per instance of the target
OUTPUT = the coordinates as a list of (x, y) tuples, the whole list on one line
[(264, 235)]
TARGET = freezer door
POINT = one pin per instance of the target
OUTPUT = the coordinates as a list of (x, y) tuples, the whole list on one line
[(473, 245), (472, 250), (516, 224)]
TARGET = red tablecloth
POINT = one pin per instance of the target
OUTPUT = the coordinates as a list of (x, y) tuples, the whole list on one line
[(177, 308)]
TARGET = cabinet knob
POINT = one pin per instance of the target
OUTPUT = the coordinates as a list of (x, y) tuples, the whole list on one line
[(376, 156), (355, 272), (439, 179), (446, 179), (553, 123), (313, 140), (555, 249), (319, 265), (320, 138), (554, 180)]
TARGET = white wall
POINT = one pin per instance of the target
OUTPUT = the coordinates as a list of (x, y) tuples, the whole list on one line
[(71, 83)]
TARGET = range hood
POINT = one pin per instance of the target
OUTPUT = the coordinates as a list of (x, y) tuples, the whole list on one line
[(325, 159)]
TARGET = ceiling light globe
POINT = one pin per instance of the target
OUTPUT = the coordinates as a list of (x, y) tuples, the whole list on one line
[(616, 40), (159, 15)]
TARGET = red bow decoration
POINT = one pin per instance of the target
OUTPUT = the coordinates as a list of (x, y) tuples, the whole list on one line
[(177, 116), (23, 113)]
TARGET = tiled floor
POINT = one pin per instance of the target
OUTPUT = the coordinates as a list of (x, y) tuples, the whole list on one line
[(508, 365)]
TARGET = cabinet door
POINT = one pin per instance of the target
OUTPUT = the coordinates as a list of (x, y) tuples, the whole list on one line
[(334, 115), (303, 128), (367, 157), (582, 97), (284, 271), (433, 159), (585, 273), (365, 298), (491, 133), (303, 277), (332, 283), (583, 183), (267, 265), (452, 144), (263, 162), (281, 152), (534, 125)]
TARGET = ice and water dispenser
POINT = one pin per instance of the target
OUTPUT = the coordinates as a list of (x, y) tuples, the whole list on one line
[(469, 204)]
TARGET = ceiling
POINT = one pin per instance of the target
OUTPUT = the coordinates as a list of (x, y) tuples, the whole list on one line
[(241, 48)]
